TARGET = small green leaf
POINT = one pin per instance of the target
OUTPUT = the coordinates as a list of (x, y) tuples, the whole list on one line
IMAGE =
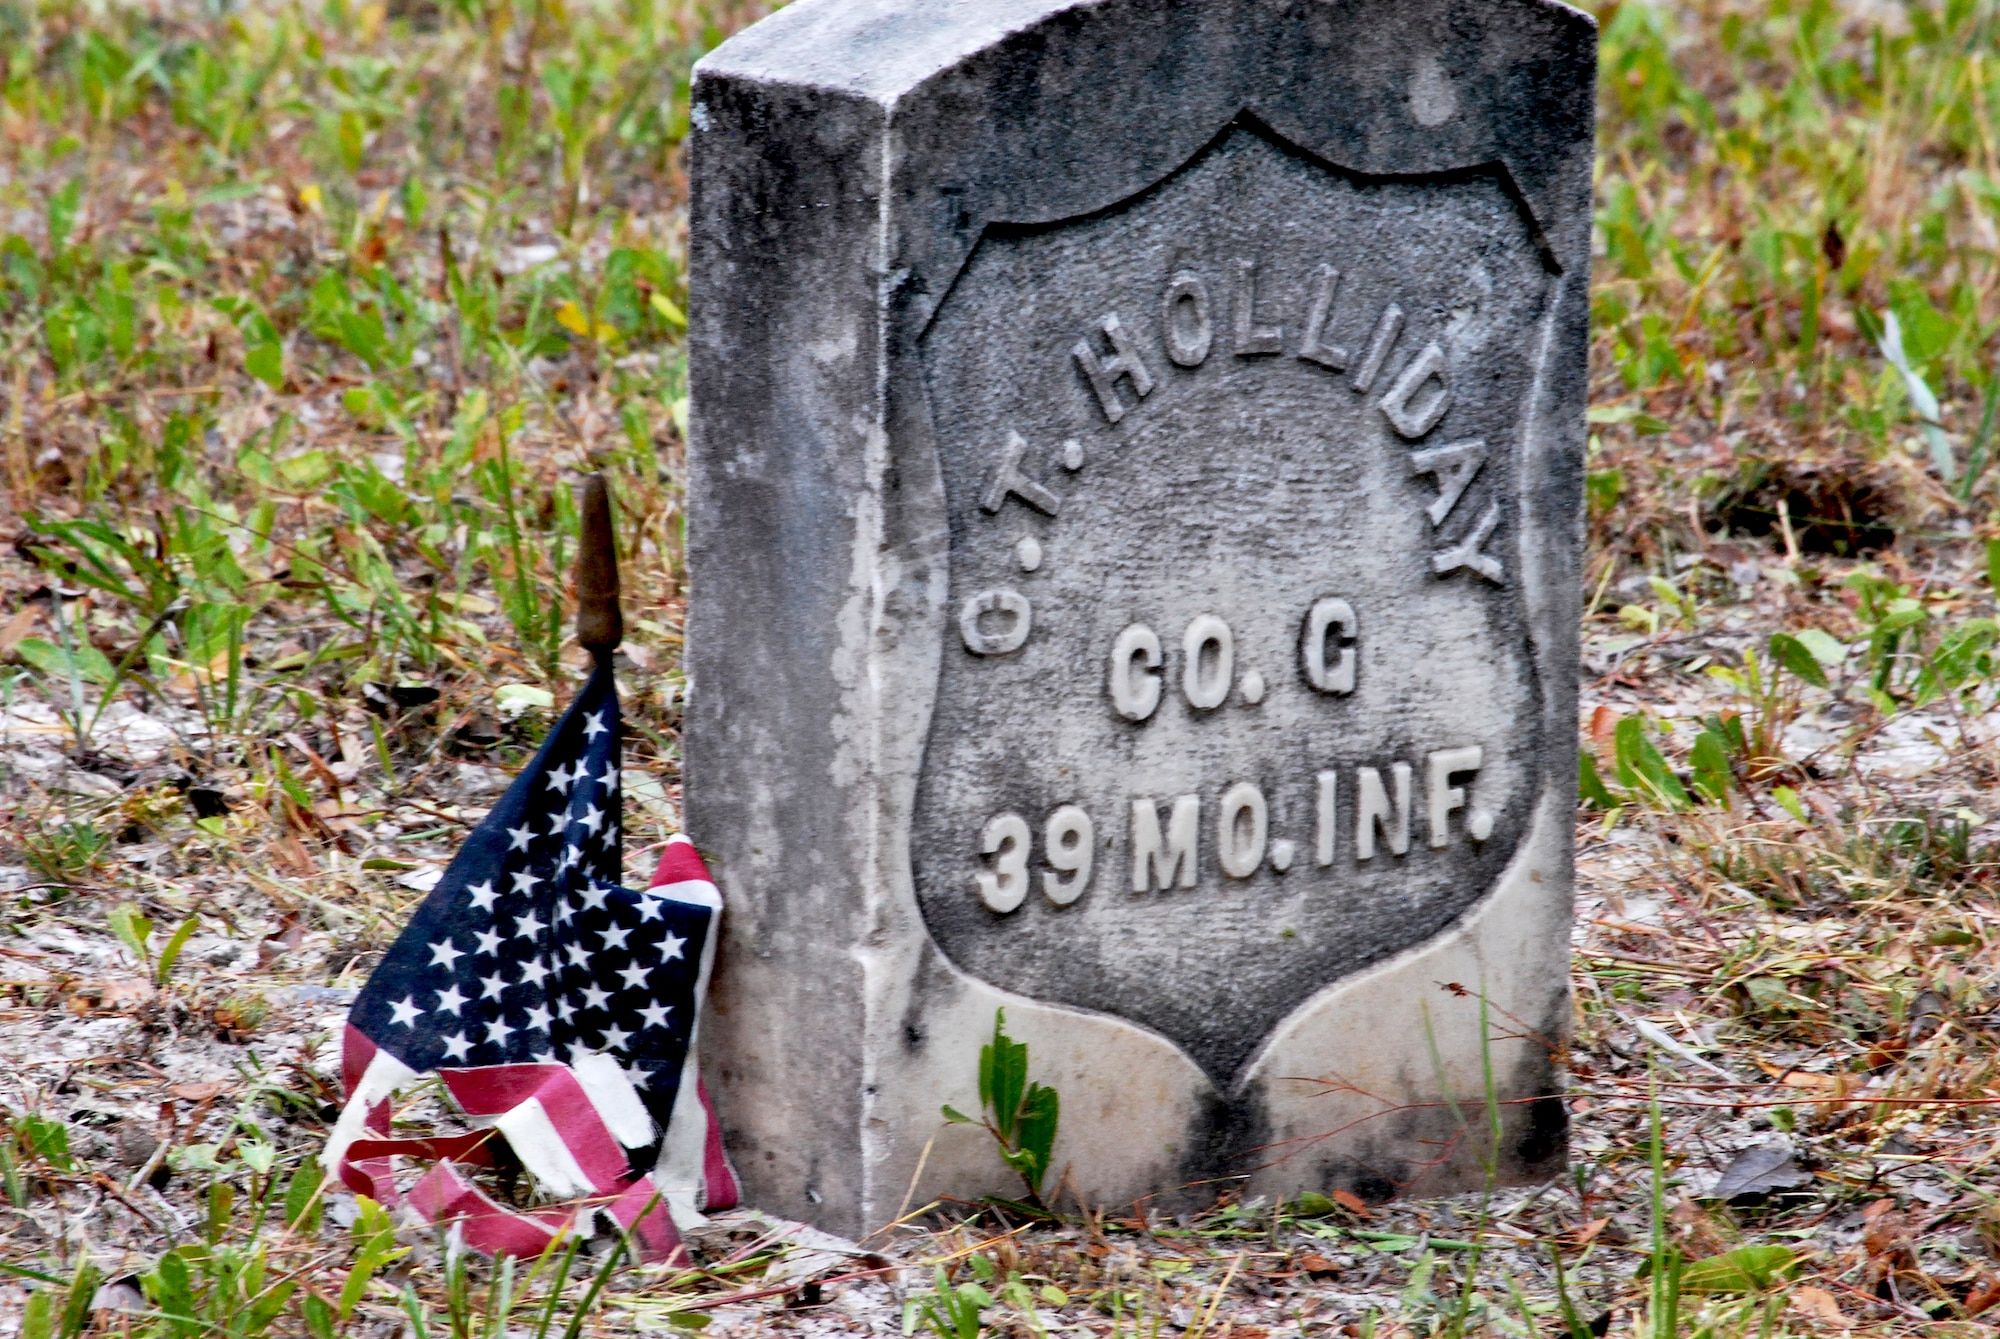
[(1710, 760), (1790, 652), (133, 928), (90, 663), (306, 471), (302, 1199), (1603, 489), (266, 362), (76, 1309), (39, 1316), (1590, 785), (1642, 767), (1003, 1077), (62, 211), (172, 952), (1745, 1269), (689, 1320), (1825, 647), (319, 1317), (1036, 1131), (957, 1117), (48, 1140), (518, 697), (1788, 799), (668, 311)]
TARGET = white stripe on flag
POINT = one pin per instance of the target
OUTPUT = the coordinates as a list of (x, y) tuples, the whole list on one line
[(681, 1173), (533, 1137), (384, 1075), (617, 1101)]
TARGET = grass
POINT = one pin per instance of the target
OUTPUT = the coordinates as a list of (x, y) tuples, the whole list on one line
[(311, 316)]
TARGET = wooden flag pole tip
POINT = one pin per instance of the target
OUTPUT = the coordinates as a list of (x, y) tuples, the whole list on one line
[(600, 625)]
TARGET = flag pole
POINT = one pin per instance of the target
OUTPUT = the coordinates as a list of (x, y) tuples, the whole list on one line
[(600, 625)]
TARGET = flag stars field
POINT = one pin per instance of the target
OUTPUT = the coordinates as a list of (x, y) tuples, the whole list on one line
[(529, 946)]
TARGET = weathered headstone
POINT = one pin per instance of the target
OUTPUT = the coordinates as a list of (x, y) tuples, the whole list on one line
[(1135, 475)]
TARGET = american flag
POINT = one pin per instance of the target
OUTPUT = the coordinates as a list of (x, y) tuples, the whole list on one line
[(558, 1008)]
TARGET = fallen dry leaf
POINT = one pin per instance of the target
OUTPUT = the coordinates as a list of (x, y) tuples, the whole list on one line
[(87, 995), (1890, 1242), (18, 627), (294, 856), (1318, 1266), (1352, 1202), (198, 1092), (1819, 1305), (1799, 1078), (1759, 1170), (1603, 730)]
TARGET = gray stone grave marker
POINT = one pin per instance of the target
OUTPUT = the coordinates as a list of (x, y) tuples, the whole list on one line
[(1135, 471)]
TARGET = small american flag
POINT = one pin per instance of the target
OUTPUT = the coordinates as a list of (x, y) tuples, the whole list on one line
[(558, 1008)]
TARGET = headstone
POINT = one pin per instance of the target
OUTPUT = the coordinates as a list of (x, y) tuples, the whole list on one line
[(1135, 478)]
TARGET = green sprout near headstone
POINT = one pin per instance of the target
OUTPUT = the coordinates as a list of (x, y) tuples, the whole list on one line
[(135, 931), (1021, 1116)]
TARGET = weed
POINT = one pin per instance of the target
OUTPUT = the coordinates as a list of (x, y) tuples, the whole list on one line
[(950, 1311), (1020, 1115), (70, 851)]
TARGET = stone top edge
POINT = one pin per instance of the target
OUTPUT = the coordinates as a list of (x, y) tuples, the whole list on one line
[(874, 49), (881, 49)]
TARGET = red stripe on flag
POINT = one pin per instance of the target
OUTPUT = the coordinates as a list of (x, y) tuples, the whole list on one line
[(445, 1197), (680, 863), (355, 1053), (475, 1148), (718, 1178), (642, 1210), (492, 1090)]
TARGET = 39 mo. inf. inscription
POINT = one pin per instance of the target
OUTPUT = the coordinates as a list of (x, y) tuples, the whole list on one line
[(1238, 696)]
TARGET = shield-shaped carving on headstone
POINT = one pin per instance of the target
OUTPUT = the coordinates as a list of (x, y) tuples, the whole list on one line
[(1238, 696)]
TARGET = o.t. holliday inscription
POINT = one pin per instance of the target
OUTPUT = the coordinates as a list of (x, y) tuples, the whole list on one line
[(1240, 697)]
